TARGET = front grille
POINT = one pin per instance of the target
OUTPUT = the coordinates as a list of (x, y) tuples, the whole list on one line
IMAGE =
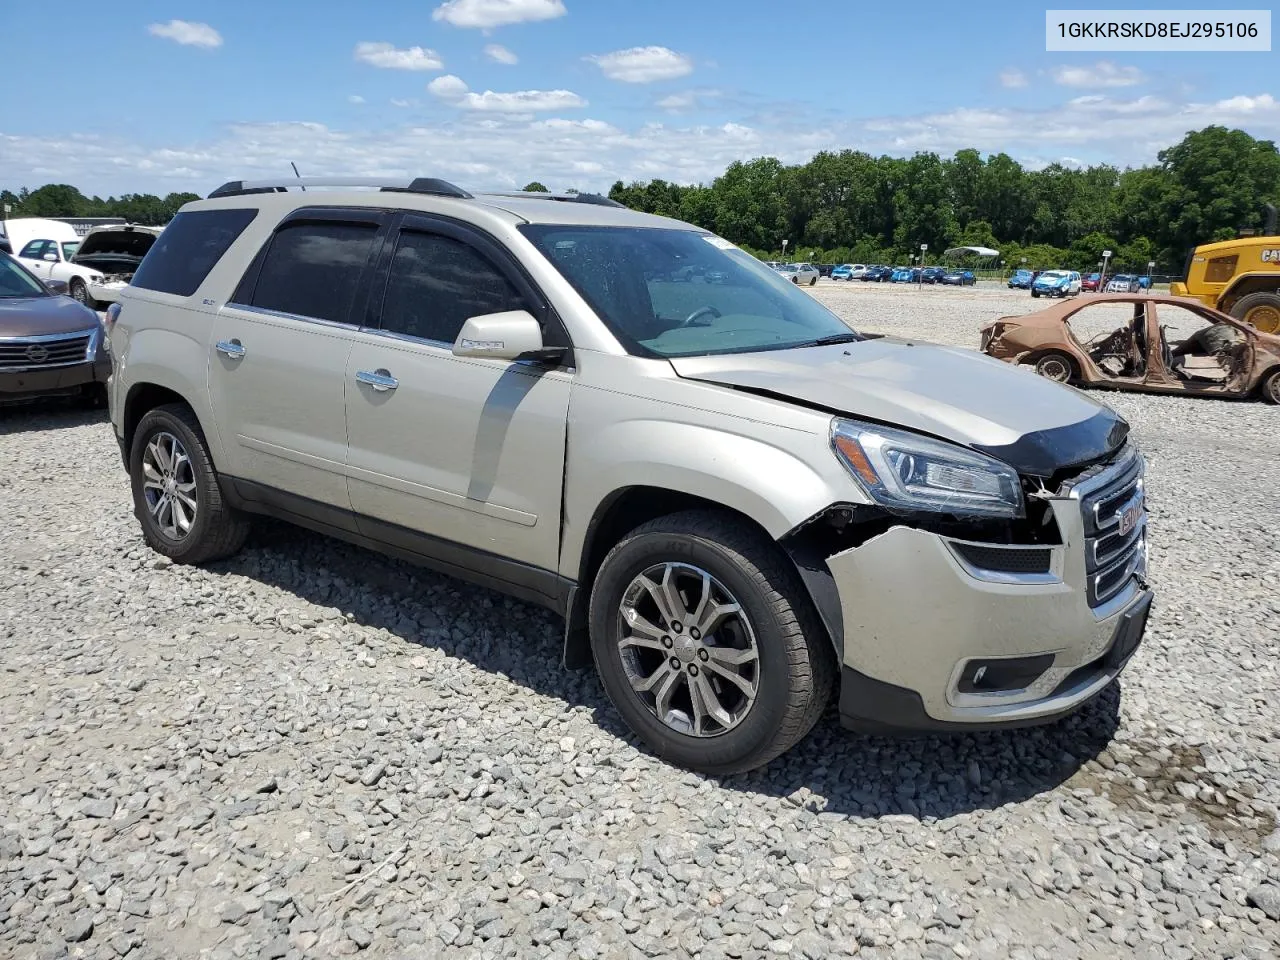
[(1113, 504), (43, 352)]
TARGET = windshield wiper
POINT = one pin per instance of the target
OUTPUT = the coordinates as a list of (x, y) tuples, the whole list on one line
[(833, 339)]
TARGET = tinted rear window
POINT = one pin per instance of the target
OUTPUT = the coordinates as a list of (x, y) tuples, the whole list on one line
[(187, 250), (313, 269)]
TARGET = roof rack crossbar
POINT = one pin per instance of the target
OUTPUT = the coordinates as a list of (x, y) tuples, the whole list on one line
[(431, 185), (597, 199)]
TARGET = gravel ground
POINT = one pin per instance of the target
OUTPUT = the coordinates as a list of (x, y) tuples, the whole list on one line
[(312, 751)]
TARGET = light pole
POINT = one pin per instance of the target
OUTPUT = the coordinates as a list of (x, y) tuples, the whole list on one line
[(1150, 266), (784, 251), (920, 276), (1106, 255)]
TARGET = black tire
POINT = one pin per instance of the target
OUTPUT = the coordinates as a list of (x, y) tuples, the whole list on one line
[(797, 669), (1269, 387), (1056, 366), (1035, 293), (79, 291), (1267, 308), (812, 281), (796, 280), (218, 530)]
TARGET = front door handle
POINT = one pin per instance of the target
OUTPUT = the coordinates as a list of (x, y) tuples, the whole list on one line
[(233, 349), (380, 379)]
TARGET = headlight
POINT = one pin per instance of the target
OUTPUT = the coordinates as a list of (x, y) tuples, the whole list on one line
[(907, 471)]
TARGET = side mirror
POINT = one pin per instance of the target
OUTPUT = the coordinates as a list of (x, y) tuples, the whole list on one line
[(512, 335), (51, 257), (58, 286)]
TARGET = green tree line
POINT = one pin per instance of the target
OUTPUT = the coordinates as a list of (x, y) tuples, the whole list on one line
[(851, 206), (63, 200)]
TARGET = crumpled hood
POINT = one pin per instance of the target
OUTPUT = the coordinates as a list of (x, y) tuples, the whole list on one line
[(1036, 426)]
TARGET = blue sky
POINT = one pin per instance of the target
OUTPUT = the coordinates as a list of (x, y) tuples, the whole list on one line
[(184, 94)]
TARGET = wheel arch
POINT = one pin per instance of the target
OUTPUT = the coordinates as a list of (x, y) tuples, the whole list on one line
[(1247, 283), (625, 509), (144, 396)]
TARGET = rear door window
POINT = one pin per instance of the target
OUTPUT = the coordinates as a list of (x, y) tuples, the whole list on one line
[(313, 269), (34, 250), (188, 249)]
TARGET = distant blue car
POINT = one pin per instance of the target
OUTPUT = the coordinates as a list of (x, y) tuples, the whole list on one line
[(959, 278), (1144, 282), (842, 272), (901, 275), (1021, 280)]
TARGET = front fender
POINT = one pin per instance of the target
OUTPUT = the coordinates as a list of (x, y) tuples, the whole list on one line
[(771, 474)]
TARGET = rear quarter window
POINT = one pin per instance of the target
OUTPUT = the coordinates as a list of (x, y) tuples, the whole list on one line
[(190, 246)]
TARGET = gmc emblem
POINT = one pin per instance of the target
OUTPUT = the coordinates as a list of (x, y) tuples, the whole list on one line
[(1129, 519)]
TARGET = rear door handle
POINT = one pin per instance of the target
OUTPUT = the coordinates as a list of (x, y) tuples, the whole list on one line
[(380, 379), (233, 349)]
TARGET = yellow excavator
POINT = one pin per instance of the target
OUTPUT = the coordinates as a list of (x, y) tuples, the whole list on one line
[(1240, 277)]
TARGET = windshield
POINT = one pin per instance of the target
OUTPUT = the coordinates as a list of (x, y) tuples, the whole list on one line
[(677, 293), (16, 282), (1052, 275), (69, 249)]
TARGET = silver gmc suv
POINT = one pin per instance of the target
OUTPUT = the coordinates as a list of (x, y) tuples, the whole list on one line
[(739, 504)]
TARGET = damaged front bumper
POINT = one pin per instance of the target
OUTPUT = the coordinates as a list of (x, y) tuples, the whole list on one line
[(108, 289), (941, 633)]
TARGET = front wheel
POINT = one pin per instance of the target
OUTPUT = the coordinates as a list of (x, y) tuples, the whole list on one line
[(812, 281), (1035, 294), (1055, 366), (1260, 310), (80, 292), (175, 490), (707, 644)]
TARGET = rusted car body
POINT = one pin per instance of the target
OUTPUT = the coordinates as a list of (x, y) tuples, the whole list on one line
[(1138, 355)]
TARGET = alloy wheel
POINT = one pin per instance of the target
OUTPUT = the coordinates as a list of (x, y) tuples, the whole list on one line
[(688, 649), (169, 485)]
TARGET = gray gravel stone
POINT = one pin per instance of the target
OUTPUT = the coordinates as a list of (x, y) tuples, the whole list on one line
[(257, 758)]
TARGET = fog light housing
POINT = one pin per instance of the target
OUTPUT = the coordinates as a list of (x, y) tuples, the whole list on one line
[(1004, 675)]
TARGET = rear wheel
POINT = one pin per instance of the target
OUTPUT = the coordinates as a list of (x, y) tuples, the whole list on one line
[(1035, 293), (175, 490), (707, 644), (1056, 366), (1260, 310), (1270, 386), (812, 281)]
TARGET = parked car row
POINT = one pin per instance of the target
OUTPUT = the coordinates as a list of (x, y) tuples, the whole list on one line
[(95, 268), (1092, 282)]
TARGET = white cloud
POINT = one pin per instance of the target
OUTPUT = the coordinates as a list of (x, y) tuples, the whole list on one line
[(388, 57), (500, 54), (1259, 104), (397, 102), (1012, 79), (643, 64), (678, 102), (498, 150), (452, 90), (355, 98), (486, 14), (1101, 74), (187, 33)]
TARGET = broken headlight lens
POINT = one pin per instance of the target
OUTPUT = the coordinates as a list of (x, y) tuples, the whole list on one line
[(907, 471)]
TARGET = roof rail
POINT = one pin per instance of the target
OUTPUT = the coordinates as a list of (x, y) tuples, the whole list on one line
[(598, 199), (429, 185)]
